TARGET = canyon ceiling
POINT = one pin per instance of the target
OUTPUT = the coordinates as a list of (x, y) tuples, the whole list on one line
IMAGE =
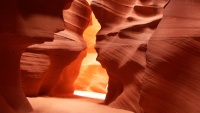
[(150, 50)]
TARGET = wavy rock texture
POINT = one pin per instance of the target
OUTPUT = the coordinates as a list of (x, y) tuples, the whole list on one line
[(20, 26), (171, 83), (126, 26), (92, 76), (51, 68)]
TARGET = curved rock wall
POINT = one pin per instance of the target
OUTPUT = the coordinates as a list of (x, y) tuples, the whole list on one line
[(92, 76), (20, 26), (126, 26), (146, 75), (57, 64), (171, 83)]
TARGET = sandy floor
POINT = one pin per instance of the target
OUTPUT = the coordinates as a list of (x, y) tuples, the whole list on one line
[(77, 104)]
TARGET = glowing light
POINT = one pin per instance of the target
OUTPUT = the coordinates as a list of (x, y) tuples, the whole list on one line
[(92, 77), (90, 94)]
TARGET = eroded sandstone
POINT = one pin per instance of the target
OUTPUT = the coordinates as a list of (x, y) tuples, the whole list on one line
[(126, 26), (171, 82), (20, 26), (147, 73), (63, 56)]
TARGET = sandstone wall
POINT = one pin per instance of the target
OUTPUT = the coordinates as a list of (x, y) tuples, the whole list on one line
[(152, 64), (171, 83), (20, 26), (52, 68), (121, 44)]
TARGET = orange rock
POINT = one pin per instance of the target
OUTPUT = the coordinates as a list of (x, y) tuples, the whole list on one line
[(22, 24), (171, 83), (126, 26), (65, 55)]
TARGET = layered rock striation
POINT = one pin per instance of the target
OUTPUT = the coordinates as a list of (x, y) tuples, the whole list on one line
[(171, 83), (147, 73), (92, 76), (121, 44), (56, 64), (23, 24)]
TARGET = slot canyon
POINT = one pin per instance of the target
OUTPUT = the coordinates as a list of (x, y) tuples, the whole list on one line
[(99, 56)]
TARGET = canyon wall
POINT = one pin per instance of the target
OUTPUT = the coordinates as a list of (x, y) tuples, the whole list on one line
[(121, 44), (52, 68), (150, 72), (92, 76), (171, 83), (152, 64), (22, 24)]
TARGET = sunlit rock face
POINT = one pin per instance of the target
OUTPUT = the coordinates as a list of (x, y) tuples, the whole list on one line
[(171, 83), (92, 76), (126, 26), (51, 68), (23, 24)]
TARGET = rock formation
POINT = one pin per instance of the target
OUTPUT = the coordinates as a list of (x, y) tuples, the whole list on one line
[(22, 23), (126, 26), (151, 69), (92, 76), (51, 68), (171, 83)]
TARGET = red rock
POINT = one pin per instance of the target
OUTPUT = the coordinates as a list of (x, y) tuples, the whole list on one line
[(147, 73), (20, 26), (64, 56), (171, 83), (126, 27), (92, 77)]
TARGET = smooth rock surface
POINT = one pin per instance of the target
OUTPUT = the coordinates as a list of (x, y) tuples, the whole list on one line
[(63, 56), (92, 76), (171, 83), (126, 26), (20, 26)]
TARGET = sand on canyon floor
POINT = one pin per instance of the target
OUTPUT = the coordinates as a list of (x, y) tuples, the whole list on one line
[(79, 103)]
